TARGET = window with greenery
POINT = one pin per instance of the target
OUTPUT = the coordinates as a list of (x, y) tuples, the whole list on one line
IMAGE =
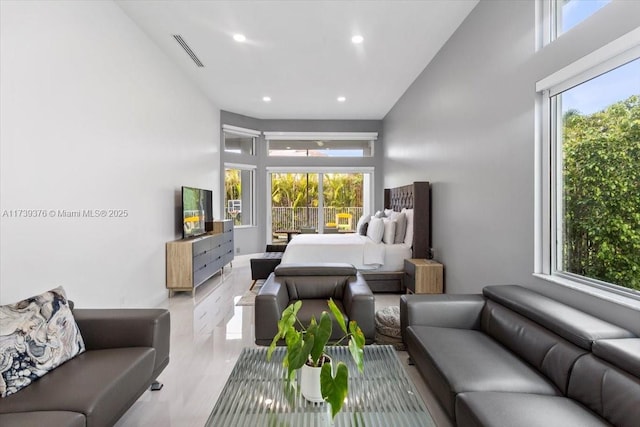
[(239, 194), (317, 201), (595, 132), (566, 14)]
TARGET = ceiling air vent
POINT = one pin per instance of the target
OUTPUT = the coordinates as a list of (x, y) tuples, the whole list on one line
[(187, 49)]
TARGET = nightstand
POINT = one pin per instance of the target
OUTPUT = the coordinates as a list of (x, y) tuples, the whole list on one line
[(423, 276)]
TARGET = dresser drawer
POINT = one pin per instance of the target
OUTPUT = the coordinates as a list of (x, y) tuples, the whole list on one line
[(227, 226), (201, 245)]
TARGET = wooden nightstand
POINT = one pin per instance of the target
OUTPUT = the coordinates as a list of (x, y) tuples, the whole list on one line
[(423, 276)]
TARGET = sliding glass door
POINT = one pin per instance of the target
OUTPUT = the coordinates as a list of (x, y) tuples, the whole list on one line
[(316, 202), (294, 202)]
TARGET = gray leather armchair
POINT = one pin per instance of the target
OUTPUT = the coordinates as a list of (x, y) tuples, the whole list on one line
[(314, 284)]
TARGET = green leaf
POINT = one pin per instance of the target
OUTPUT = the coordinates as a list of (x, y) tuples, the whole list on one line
[(272, 346), (298, 352), (357, 354), (356, 345), (357, 333), (322, 333), (285, 326), (334, 389), (338, 315)]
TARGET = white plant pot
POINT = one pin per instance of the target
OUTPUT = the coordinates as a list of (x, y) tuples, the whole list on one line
[(310, 383)]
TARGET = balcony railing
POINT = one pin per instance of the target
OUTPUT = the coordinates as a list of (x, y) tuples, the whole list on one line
[(288, 218)]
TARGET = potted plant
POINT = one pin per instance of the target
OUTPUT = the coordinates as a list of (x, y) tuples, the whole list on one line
[(306, 351)]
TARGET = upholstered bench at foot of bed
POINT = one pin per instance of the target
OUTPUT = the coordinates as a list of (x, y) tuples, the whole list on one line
[(384, 281), (264, 265)]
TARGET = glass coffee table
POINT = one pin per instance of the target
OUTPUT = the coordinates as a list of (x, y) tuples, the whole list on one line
[(257, 394)]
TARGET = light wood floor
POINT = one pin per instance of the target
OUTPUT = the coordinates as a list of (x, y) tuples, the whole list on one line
[(202, 358)]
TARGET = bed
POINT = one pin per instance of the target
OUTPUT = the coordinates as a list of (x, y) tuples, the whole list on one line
[(381, 264)]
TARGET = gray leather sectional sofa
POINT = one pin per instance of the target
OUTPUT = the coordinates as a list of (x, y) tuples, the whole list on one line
[(126, 349), (513, 357)]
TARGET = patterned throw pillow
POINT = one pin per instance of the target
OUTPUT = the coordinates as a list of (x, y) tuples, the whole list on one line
[(36, 335)]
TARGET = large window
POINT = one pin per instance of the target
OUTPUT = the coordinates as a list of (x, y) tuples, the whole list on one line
[(317, 202), (593, 128), (239, 181), (320, 144), (320, 148)]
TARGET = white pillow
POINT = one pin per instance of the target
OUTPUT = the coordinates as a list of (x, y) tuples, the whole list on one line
[(389, 231), (375, 231), (401, 227), (392, 214), (388, 213), (408, 235)]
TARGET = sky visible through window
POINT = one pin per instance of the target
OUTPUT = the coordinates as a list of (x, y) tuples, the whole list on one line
[(576, 11), (605, 90)]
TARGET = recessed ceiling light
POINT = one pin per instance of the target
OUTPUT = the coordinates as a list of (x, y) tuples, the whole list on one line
[(357, 39), (341, 99), (239, 38), (266, 98), (288, 148)]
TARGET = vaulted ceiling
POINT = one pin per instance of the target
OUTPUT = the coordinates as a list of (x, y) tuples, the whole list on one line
[(300, 54)]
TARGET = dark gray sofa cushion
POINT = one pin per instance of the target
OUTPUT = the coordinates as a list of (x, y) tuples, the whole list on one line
[(460, 360), (547, 352), (574, 325), (522, 410), (101, 384), (606, 390), (624, 353), (43, 418)]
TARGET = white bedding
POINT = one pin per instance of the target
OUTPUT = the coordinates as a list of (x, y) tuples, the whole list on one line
[(354, 249)]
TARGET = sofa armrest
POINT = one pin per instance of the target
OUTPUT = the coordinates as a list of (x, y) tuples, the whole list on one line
[(359, 305), (114, 328), (272, 299), (442, 310)]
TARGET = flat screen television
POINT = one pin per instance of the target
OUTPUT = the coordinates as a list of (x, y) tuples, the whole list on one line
[(197, 211)]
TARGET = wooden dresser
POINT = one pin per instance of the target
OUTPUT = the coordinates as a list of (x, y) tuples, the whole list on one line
[(191, 262)]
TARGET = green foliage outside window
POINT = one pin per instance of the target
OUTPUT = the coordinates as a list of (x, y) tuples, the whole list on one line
[(233, 191), (601, 168), (340, 189), (295, 197)]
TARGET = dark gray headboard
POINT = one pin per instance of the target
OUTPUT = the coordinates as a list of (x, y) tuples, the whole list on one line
[(416, 196)]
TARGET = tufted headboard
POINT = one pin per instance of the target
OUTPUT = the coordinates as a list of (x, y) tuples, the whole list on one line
[(416, 196)]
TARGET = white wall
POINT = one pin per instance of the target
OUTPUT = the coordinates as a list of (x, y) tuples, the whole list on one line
[(94, 116), (467, 125)]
